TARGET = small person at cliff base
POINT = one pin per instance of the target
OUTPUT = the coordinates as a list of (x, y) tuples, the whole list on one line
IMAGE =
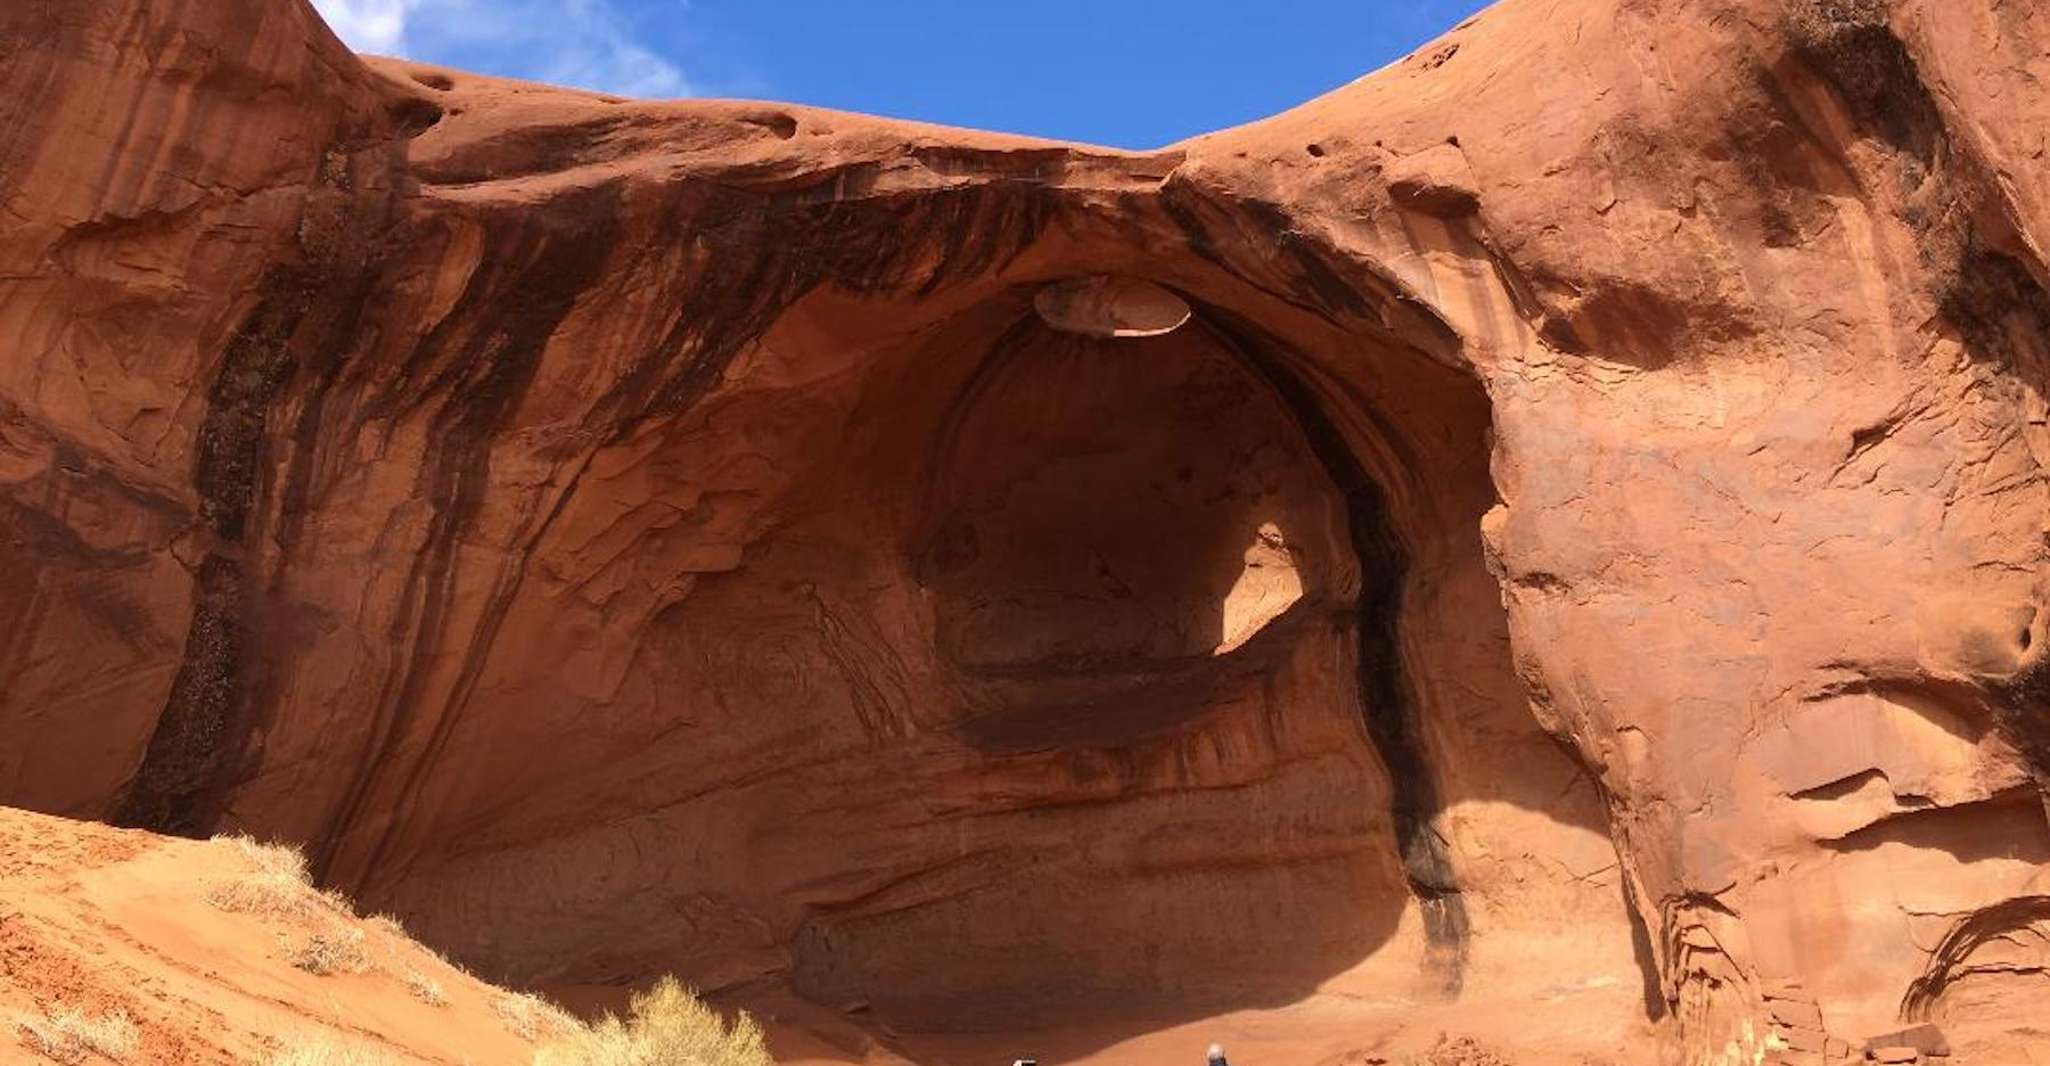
[(1216, 1057)]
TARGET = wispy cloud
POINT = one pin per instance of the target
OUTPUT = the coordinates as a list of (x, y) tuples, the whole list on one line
[(590, 44)]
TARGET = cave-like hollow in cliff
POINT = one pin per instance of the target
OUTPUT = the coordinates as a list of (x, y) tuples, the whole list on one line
[(629, 537), (847, 628), (1002, 674)]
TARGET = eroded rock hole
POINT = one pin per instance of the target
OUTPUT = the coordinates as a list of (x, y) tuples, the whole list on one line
[(1119, 525), (1019, 675), (1167, 602), (1139, 578)]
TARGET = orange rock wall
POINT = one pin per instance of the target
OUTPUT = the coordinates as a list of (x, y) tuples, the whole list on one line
[(1590, 531)]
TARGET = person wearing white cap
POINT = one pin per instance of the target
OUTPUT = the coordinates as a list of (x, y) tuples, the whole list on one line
[(1217, 1056)]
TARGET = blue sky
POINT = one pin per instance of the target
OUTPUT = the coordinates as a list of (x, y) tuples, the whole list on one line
[(1129, 73)]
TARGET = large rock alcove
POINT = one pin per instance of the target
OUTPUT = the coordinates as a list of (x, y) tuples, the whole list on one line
[(1583, 546)]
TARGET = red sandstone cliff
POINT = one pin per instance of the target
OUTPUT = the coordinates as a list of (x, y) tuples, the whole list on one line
[(1584, 548)]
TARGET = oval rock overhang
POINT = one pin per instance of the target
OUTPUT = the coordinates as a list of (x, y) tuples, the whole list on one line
[(1104, 306)]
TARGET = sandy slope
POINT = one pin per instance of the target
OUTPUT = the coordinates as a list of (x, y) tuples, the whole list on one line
[(106, 919)]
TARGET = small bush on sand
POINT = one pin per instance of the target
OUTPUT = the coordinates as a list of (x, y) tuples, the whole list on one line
[(274, 882), (424, 988), (323, 1049), (390, 926), (667, 1026), (531, 1017), (332, 951), (69, 1035)]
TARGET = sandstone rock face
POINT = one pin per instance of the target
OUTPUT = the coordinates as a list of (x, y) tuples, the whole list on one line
[(1585, 545)]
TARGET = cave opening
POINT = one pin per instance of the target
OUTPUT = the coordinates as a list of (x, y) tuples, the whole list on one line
[(1086, 597), (1173, 574), (990, 676)]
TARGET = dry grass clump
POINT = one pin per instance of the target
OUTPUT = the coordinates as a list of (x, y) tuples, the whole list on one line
[(530, 1017), (276, 882), (424, 988), (667, 1026), (69, 1035), (332, 951), (324, 1049), (389, 925)]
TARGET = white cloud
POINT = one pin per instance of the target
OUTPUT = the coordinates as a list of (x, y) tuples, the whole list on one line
[(377, 26), (585, 43)]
